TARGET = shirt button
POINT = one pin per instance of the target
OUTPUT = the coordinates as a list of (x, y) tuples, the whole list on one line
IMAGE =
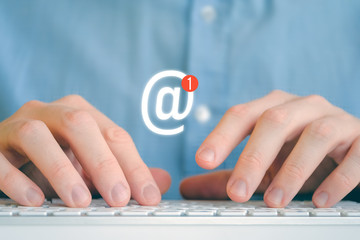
[(202, 114), (208, 13)]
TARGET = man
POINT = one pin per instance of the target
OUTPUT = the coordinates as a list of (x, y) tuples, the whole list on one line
[(72, 56)]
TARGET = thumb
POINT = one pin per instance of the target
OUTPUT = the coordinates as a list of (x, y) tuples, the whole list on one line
[(206, 186), (213, 185)]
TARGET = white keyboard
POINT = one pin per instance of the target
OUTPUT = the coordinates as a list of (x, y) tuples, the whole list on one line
[(98, 207), (179, 220)]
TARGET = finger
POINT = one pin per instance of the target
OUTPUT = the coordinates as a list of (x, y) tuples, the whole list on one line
[(342, 180), (317, 140), (17, 186), (276, 126), (213, 185), (32, 172), (80, 130), (206, 186), (143, 187), (235, 125), (162, 179), (28, 137), (142, 184)]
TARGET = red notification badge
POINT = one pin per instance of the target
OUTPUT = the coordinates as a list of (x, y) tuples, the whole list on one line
[(189, 83)]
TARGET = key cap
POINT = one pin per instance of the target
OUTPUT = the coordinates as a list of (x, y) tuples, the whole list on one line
[(135, 212), (351, 213), (33, 213), (57, 201), (10, 209), (103, 212), (194, 212), (168, 213), (6, 214), (56, 209), (294, 213), (347, 205), (98, 203), (264, 212), (70, 212), (236, 212), (325, 213), (240, 208)]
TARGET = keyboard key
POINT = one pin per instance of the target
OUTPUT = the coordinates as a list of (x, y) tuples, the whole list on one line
[(6, 214), (264, 212), (33, 213), (321, 212), (10, 209), (241, 208), (294, 213), (351, 213), (98, 207), (57, 201), (194, 212), (347, 205), (56, 209), (70, 212), (98, 203), (103, 212), (25, 207), (235, 212), (135, 212), (168, 212)]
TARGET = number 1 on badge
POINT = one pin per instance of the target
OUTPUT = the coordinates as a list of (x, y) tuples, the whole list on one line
[(189, 83)]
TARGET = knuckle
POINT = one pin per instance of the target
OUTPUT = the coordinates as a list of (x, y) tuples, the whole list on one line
[(221, 137), (253, 160), (345, 117), (75, 118), (59, 169), (344, 180), (105, 164), (277, 115), (238, 111), (294, 171), (8, 178), (322, 129), (33, 104), (29, 128), (278, 92), (74, 100), (314, 98), (117, 135), (138, 172)]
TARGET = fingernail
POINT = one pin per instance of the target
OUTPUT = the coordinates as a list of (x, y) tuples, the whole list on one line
[(207, 155), (151, 193), (239, 188), (275, 196), (321, 199), (79, 194), (34, 197), (119, 193)]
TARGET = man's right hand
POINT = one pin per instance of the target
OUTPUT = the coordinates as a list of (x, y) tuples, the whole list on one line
[(76, 148)]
